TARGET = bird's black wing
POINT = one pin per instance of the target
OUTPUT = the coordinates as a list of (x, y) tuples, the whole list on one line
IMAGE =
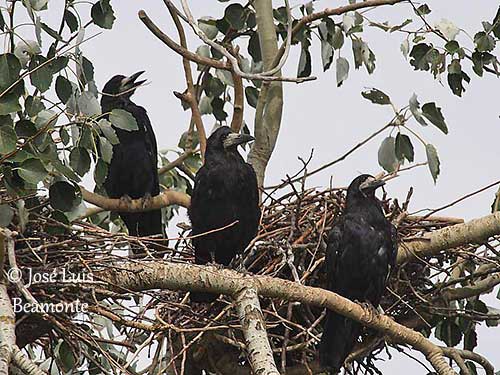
[(333, 248)]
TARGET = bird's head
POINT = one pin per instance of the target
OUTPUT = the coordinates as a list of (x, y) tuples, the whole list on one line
[(121, 88), (225, 140), (364, 186)]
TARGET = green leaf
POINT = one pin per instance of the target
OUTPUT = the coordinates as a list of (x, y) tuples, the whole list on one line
[(209, 27), (338, 38), (432, 160), (218, 109), (2, 22), (421, 55), (6, 215), (496, 205), (449, 332), (484, 42), (54, 34), (102, 14), (235, 16), (88, 104), (9, 103), (63, 89), (108, 131), (25, 128), (106, 149), (214, 87), (123, 120), (70, 20), (376, 96), (326, 54), (434, 115), (452, 46), (254, 47), (423, 10), (496, 24), (387, 155), (64, 196), (342, 70), (10, 67), (66, 356), (33, 105), (100, 172), (8, 139), (32, 171), (404, 148), (304, 69), (41, 78), (252, 95), (415, 110), (79, 160), (86, 70)]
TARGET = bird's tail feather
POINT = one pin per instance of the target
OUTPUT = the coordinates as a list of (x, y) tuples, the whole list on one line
[(339, 337), (142, 224)]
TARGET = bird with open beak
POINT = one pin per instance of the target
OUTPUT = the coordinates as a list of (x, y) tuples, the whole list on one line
[(133, 171)]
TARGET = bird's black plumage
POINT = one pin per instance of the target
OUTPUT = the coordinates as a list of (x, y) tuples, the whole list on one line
[(361, 249), (225, 190), (133, 169)]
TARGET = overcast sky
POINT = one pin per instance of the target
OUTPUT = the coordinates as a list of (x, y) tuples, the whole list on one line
[(332, 120)]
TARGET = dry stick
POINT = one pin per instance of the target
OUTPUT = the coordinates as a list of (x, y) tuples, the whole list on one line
[(360, 144), (187, 277), (461, 199), (237, 120), (167, 198), (190, 95), (260, 354), (179, 49)]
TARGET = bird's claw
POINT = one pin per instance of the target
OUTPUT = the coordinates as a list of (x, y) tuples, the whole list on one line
[(126, 199), (146, 200), (371, 310)]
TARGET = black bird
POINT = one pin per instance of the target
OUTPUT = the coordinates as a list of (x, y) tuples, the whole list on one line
[(225, 190), (133, 170), (361, 250)]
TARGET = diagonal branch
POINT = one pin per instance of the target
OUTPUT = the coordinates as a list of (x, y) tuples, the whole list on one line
[(432, 243), (253, 325), (187, 277)]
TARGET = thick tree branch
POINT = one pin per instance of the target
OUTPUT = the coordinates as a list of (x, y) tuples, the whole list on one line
[(478, 288), (474, 231), (167, 198), (145, 276), (259, 351), (7, 330), (270, 103), (467, 354)]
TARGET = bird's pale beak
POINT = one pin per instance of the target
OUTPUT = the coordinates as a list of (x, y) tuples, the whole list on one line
[(371, 184), (234, 139), (130, 84)]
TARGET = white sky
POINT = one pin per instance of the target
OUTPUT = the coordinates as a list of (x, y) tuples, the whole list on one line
[(332, 120)]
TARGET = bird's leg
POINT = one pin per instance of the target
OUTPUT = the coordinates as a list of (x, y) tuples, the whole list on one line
[(126, 199), (146, 200), (371, 310)]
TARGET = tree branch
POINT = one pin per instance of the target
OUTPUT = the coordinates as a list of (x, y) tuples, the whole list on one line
[(270, 103), (167, 198), (187, 277), (190, 95), (474, 231), (259, 351), (218, 64)]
